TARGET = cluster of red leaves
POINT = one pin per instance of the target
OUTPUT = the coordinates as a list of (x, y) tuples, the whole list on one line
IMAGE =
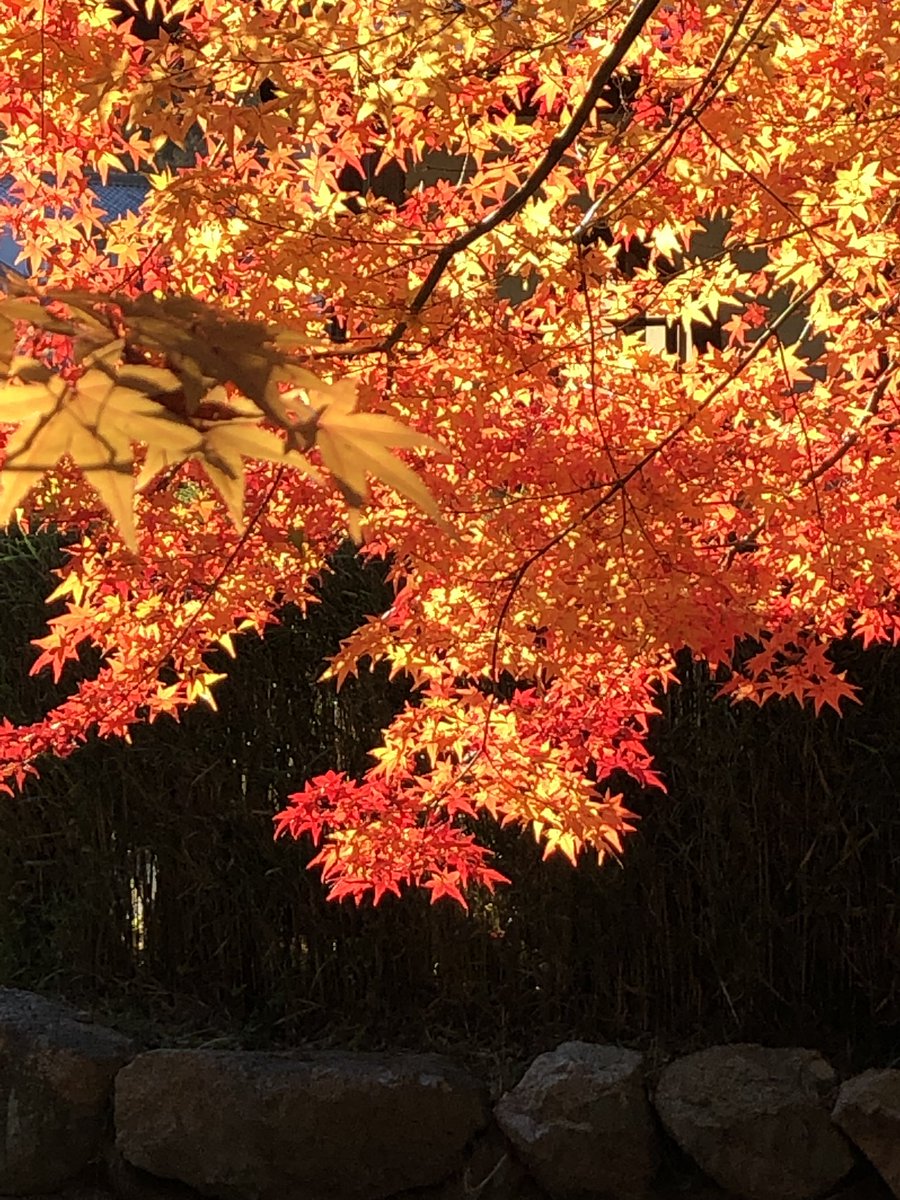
[(384, 829)]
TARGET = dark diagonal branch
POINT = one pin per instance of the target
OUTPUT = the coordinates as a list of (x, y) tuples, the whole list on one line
[(529, 188), (852, 437)]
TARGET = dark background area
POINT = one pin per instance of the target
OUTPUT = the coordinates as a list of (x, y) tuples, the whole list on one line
[(757, 901)]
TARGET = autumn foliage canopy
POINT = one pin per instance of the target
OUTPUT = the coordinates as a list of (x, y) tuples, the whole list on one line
[(583, 314)]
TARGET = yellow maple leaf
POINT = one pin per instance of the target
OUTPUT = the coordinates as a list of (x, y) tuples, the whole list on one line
[(229, 442), (54, 422), (355, 444)]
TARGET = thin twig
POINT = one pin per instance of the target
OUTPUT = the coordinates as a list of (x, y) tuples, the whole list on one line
[(529, 188), (619, 484), (850, 439)]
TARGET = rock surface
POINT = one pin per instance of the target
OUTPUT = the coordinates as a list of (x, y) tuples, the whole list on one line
[(580, 1121), (756, 1120), (868, 1111), (492, 1172), (127, 1182), (56, 1077), (297, 1126)]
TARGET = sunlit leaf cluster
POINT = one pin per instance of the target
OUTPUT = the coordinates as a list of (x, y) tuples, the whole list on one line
[(632, 267)]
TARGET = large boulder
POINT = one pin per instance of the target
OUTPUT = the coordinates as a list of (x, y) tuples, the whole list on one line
[(297, 1126), (757, 1121), (868, 1111), (56, 1076), (580, 1121)]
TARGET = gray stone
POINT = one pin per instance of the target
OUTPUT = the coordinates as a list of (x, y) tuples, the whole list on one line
[(756, 1120), (56, 1076), (868, 1111), (297, 1126), (580, 1121)]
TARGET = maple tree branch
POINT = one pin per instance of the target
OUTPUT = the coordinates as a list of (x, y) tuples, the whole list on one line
[(526, 190), (852, 437), (619, 484), (677, 129), (755, 178), (847, 442), (562, 142)]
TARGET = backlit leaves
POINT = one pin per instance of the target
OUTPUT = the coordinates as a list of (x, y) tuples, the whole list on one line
[(222, 377), (354, 445), (56, 420), (334, 271)]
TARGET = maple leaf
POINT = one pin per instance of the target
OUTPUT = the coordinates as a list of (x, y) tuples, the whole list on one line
[(446, 883), (204, 346), (356, 444), (227, 444), (54, 421)]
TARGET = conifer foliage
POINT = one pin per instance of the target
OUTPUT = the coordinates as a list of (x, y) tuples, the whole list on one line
[(401, 263)]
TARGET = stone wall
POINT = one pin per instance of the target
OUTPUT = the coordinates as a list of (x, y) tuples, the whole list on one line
[(82, 1106)]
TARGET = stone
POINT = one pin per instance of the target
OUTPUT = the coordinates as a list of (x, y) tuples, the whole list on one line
[(316, 1125), (131, 1183), (756, 1120), (56, 1079), (492, 1172), (580, 1121), (867, 1185), (868, 1111)]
